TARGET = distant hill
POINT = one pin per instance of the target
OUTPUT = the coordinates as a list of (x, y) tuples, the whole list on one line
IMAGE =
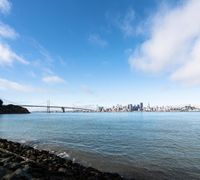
[(12, 109)]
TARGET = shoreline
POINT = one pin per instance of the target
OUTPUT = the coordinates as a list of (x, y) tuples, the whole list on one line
[(24, 162)]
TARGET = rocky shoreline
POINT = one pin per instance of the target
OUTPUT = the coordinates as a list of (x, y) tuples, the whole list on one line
[(18, 161)]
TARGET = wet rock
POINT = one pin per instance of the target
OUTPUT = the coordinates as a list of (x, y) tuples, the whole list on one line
[(3, 172), (18, 174), (62, 170), (14, 166)]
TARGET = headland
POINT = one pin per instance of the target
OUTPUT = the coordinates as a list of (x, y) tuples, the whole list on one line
[(12, 109)]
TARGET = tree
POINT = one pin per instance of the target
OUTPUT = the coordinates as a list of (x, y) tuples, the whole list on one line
[(1, 102)]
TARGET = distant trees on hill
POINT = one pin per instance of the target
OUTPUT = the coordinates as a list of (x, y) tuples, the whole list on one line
[(12, 109), (1, 102)]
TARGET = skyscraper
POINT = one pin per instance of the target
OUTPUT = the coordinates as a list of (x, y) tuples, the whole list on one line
[(141, 106), (130, 107)]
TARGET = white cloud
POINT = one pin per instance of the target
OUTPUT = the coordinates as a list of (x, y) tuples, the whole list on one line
[(173, 45), (97, 39), (189, 72), (5, 6), (11, 85), (126, 24), (7, 32), (7, 56), (44, 52), (53, 79)]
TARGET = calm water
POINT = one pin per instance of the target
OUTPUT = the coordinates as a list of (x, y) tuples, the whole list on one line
[(149, 145)]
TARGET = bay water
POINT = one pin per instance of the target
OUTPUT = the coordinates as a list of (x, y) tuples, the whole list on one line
[(141, 145)]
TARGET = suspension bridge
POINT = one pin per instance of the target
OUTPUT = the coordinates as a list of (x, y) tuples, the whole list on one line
[(63, 108), (49, 107)]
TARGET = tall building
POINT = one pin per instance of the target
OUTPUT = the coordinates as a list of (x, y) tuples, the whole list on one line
[(130, 107), (141, 106)]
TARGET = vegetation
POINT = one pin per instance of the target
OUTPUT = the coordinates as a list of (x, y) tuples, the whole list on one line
[(12, 109), (1, 102)]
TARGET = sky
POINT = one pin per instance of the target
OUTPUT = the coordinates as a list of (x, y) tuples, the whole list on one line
[(91, 52)]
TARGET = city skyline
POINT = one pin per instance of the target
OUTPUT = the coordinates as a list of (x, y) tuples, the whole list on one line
[(132, 107), (91, 52)]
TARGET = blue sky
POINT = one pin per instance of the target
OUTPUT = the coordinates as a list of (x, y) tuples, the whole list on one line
[(93, 52)]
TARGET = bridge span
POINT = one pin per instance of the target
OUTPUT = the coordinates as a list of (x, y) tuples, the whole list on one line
[(59, 107)]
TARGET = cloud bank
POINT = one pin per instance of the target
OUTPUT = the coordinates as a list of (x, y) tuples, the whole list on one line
[(53, 79), (11, 85), (7, 32), (173, 44), (5, 6), (7, 55)]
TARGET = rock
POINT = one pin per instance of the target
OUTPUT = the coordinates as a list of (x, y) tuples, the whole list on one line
[(14, 166), (3, 172), (63, 170), (19, 174)]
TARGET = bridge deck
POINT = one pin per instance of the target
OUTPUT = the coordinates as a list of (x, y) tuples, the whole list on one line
[(65, 107)]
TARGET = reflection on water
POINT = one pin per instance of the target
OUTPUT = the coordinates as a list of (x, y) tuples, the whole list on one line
[(156, 145)]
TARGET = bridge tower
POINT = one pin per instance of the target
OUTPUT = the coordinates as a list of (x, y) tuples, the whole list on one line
[(63, 109), (48, 106)]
